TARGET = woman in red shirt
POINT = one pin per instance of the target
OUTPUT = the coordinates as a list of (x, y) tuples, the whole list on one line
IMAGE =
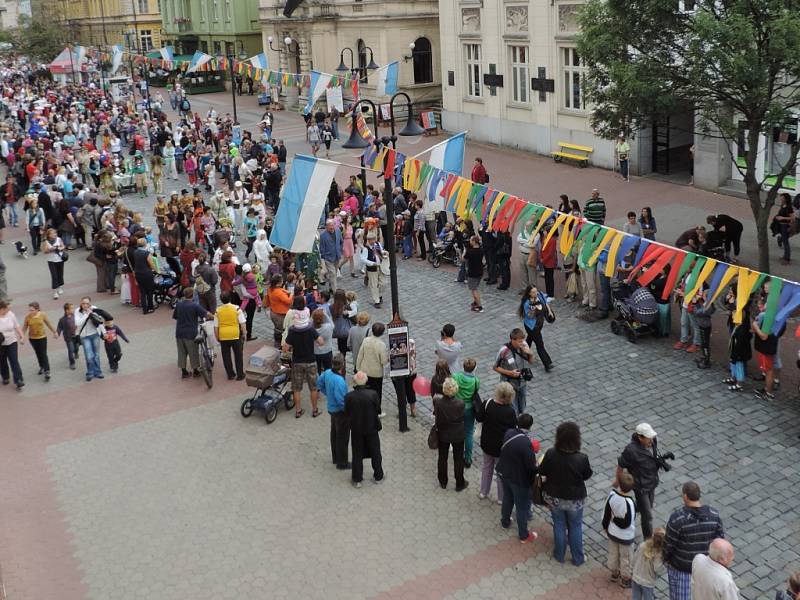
[(227, 271), (549, 260)]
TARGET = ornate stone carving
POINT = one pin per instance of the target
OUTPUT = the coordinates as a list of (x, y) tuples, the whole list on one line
[(470, 20), (568, 17), (517, 19)]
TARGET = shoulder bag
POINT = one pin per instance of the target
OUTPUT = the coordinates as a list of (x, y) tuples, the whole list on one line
[(536, 491), (433, 438)]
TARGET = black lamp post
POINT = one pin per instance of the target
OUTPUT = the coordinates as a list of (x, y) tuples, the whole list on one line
[(356, 141)]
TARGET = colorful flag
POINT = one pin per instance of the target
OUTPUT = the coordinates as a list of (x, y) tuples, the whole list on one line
[(303, 199), (259, 61), (198, 60), (167, 53), (387, 79), (449, 154), (79, 55), (116, 57), (319, 83)]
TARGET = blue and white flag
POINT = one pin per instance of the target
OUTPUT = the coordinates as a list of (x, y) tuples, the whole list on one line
[(79, 55), (116, 57), (167, 53), (259, 61), (449, 154), (198, 60), (319, 83), (387, 79), (303, 200)]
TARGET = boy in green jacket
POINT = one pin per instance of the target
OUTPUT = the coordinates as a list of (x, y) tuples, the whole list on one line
[(468, 385)]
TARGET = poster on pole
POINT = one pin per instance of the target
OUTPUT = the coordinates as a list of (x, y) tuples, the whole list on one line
[(236, 134), (399, 363), (334, 96)]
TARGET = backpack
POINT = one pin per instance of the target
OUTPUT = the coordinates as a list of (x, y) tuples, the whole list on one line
[(201, 285), (621, 522)]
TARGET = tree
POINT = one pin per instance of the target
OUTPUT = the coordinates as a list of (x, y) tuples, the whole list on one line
[(40, 38), (732, 61)]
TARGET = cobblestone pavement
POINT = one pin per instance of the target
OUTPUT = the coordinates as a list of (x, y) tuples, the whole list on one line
[(143, 485)]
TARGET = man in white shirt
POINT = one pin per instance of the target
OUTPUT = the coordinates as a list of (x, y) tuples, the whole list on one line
[(711, 579), (86, 327)]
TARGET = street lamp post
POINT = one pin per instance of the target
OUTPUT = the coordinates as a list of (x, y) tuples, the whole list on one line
[(353, 70), (356, 141)]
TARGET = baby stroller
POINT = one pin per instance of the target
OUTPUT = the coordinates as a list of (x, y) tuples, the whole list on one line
[(269, 376), (447, 251), (637, 311), (714, 246), (167, 289)]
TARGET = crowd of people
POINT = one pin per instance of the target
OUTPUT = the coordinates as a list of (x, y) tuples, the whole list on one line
[(70, 151)]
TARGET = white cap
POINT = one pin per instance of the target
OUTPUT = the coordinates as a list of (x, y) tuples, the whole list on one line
[(644, 430), (246, 268)]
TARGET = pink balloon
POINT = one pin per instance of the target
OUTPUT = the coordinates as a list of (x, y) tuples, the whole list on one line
[(422, 386)]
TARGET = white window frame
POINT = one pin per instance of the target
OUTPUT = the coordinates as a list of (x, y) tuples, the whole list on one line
[(569, 70), (146, 35), (145, 4), (519, 59), (228, 11), (203, 10), (473, 70), (215, 10)]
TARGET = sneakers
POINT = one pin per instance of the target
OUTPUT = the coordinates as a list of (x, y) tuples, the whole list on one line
[(692, 349), (763, 394), (679, 346), (356, 484), (482, 496), (729, 381), (382, 414), (614, 577), (476, 308), (531, 538), (735, 388)]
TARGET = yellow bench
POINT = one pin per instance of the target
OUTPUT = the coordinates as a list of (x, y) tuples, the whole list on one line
[(581, 159)]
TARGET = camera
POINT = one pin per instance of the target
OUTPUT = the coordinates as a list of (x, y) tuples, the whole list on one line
[(662, 459), (526, 374)]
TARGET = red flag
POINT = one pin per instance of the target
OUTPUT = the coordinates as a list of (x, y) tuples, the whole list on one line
[(354, 84), (388, 169)]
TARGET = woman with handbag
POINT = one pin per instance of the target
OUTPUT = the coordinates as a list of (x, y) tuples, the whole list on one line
[(497, 416), (54, 248), (448, 412), (341, 313), (564, 471), (534, 310)]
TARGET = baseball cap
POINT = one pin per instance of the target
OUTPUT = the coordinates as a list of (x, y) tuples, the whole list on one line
[(645, 430)]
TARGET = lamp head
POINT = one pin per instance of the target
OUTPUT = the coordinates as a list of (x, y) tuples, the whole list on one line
[(270, 39), (412, 128), (412, 45), (342, 67), (355, 141), (287, 40)]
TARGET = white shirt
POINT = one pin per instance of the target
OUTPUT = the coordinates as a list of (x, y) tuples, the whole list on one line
[(712, 581), (619, 508), (81, 318), (8, 327)]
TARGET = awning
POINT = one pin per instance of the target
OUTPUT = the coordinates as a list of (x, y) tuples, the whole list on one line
[(66, 62)]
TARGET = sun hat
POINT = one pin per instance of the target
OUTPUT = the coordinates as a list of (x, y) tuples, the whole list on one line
[(644, 430)]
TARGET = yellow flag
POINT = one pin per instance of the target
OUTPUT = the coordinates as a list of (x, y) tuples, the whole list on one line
[(743, 286), (610, 235), (723, 283), (559, 220), (501, 196), (704, 274), (542, 220), (567, 235), (611, 262), (463, 194)]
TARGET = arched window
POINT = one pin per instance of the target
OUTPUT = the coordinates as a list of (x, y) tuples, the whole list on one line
[(362, 61), (423, 61)]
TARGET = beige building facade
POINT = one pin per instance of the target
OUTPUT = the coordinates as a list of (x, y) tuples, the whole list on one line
[(371, 29), (11, 10)]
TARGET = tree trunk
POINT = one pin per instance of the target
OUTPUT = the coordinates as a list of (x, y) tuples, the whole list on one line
[(761, 215)]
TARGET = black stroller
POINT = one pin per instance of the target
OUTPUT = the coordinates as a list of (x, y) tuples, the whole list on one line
[(637, 311), (445, 250), (714, 246)]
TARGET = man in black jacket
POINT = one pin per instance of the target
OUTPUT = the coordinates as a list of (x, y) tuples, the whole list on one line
[(517, 468), (273, 187), (362, 407), (640, 459), (282, 152)]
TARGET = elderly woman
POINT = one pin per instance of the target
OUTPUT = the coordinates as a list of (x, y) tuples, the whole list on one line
[(449, 417), (499, 417), (13, 338), (564, 470)]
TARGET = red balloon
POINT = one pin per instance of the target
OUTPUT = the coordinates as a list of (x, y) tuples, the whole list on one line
[(422, 386)]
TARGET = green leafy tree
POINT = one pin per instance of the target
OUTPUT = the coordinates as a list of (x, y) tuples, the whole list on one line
[(732, 61)]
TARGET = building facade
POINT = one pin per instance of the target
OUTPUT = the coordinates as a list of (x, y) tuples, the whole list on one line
[(371, 29), (216, 27), (134, 23), (11, 10)]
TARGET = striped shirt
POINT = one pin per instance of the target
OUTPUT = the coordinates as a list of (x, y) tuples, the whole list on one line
[(595, 210), (690, 530)]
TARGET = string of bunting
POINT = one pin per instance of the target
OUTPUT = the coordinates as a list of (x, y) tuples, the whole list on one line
[(501, 211), (244, 68)]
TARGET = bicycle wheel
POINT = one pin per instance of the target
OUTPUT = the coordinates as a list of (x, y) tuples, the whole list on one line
[(208, 365)]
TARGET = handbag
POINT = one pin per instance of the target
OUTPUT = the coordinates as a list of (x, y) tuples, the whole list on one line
[(64, 255), (341, 327), (478, 407), (433, 438), (536, 491), (572, 284), (95, 260), (549, 314)]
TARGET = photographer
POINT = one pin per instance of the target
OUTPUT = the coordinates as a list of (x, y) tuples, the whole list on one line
[(513, 364), (87, 318), (642, 460)]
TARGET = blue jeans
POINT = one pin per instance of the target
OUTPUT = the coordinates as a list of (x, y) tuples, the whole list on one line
[(72, 349), (520, 401), (687, 321), (13, 219), (91, 352), (335, 128), (568, 527), (408, 246), (518, 496), (469, 430), (639, 592)]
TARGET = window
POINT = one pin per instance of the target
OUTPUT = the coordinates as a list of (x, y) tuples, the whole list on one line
[(423, 61), (573, 69), (146, 39), (472, 56), (215, 10), (519, 74), (143, 6), (217, 48), (227, 11), (204, 47), (202, 10), (362, 61)]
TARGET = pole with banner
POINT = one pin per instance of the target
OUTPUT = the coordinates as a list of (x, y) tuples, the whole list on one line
[(399, 364)]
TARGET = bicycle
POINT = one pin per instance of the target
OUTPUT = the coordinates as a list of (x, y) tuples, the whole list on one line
[(207, 356)]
